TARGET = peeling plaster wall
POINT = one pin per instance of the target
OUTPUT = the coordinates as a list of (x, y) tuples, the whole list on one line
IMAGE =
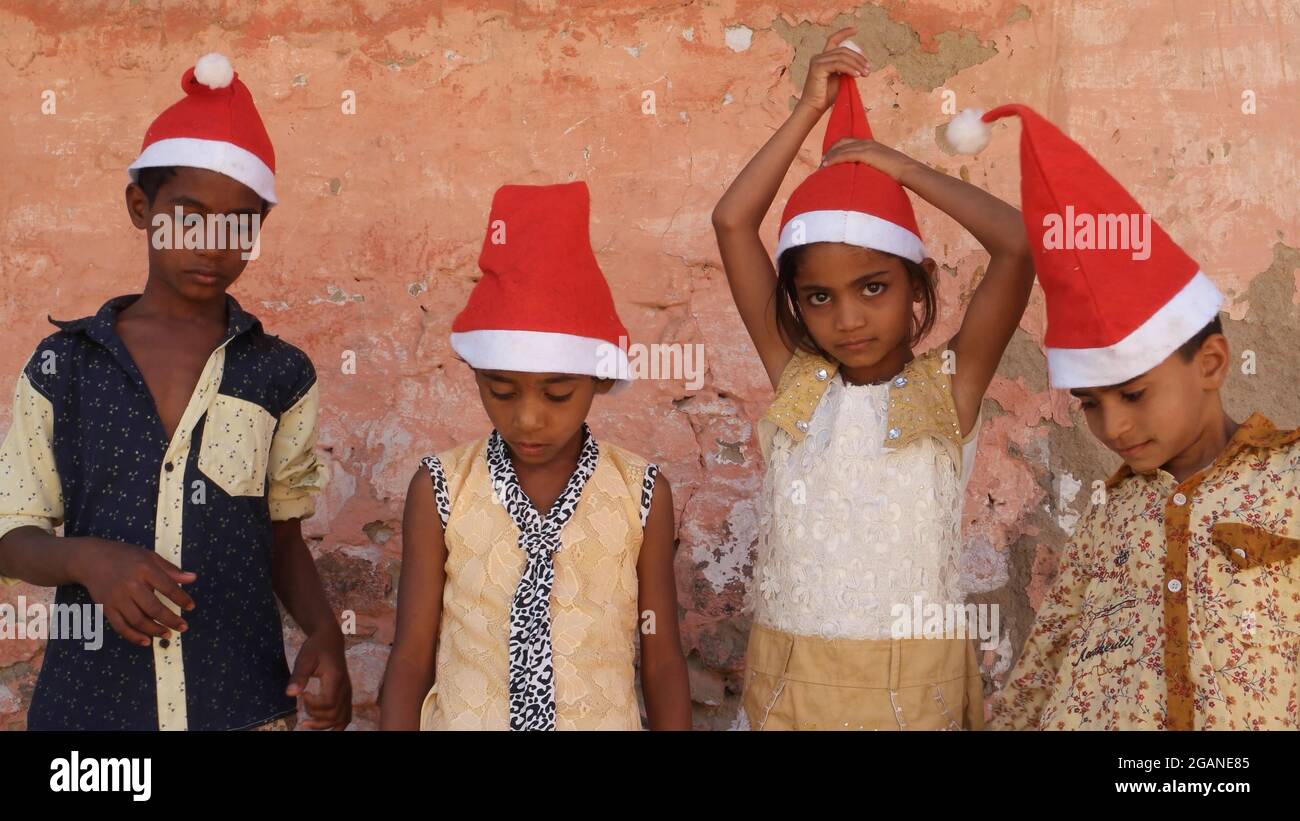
[(373, 248)]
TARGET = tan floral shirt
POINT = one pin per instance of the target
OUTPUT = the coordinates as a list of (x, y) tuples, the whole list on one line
[(1177, 605)]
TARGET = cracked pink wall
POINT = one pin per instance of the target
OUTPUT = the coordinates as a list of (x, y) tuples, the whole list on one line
[(373, 248)]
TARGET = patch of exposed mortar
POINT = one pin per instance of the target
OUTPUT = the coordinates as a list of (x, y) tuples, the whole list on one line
[(885, 41), (1269, 331), (1024, 360)]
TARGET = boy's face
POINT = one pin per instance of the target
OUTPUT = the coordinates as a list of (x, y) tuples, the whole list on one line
[(1154, 418), (197, 274), (856, 303), (538, 414)]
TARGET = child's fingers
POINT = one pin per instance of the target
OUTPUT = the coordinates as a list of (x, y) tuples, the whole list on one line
[(174, 572), (325, 713), (163, 583), (845, 149), (330, 697), (152, 607), (136, 618), (848, 63), (839, 37), (303, 668), (123, 629), (323, 708)]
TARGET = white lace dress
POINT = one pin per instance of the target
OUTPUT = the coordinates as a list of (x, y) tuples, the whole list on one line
[(849, 528)]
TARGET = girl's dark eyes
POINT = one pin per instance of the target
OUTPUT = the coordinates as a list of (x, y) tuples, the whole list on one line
[(1132, 396), (870, 289), (502, 396), (564, 398)]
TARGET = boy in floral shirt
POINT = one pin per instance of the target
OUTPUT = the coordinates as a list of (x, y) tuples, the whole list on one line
[(1177, 605)]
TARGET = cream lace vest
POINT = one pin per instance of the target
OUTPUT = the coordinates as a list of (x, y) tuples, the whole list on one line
[(862, 500)]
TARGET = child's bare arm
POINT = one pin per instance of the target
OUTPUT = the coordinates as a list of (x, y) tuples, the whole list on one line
[(738, 216), (298, 586), (1000, 299), (411, 668), (663, 667)]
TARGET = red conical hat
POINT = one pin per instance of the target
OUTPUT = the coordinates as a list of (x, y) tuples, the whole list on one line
[(1121, 295), (851, 202), (542, 305), (214, 126)]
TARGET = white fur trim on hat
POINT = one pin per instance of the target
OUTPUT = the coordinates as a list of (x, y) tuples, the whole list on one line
[(854, 228), (543, 352), (1177, 321), (215, 155)]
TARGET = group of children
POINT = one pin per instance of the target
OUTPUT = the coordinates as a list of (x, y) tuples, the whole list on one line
[(173, 439)]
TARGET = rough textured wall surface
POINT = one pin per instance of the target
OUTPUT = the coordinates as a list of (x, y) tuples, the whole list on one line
[(373, 247)]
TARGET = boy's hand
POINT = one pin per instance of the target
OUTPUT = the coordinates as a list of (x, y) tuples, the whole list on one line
[(869, 152), (322, 657), (820, 89), (123, 578)]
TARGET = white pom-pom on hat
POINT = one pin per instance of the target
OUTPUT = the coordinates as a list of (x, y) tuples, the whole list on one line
[(214, 70), (967, 133)]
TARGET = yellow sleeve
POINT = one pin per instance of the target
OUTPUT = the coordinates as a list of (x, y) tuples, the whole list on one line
[(1019, 704), (295, 474), (30, 491)]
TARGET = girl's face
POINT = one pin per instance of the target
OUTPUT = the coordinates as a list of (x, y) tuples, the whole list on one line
[(538, 414), (856, 303)]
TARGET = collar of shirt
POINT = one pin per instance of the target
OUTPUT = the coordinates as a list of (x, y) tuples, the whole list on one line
[(101, 326)]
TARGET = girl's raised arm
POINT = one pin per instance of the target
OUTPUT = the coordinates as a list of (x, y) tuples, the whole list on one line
[(738, 216)]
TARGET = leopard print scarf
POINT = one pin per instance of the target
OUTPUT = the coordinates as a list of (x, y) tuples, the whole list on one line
[(532, 669)]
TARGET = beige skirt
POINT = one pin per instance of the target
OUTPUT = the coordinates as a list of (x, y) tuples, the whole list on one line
[(805, 683)]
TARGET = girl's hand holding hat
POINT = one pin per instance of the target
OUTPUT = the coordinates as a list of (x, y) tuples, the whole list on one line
[(818, 90), (869, 152)]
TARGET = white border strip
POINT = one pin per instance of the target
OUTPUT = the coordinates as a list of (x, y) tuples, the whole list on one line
[(214, 155), (543, 352), (1177, 321), (853, 227)]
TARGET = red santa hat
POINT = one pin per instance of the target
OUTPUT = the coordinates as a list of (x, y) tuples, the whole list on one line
[(542, 304), (214, 126), (1121, 296), (851, 203)]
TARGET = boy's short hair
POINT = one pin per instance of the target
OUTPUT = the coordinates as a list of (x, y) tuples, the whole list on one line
[(1189, 348), (152, 178)]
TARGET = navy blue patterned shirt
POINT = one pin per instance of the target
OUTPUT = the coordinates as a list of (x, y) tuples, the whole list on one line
[(87, 448)]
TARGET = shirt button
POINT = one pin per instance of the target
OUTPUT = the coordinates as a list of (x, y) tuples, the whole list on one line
[(822, 374), (1180, 499), (894, 433), (900, 381), (1175, 585), (169, 467), (1240, 552), (802, 425)]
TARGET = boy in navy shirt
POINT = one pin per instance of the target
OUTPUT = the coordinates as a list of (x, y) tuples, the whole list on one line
[(173, 439)]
